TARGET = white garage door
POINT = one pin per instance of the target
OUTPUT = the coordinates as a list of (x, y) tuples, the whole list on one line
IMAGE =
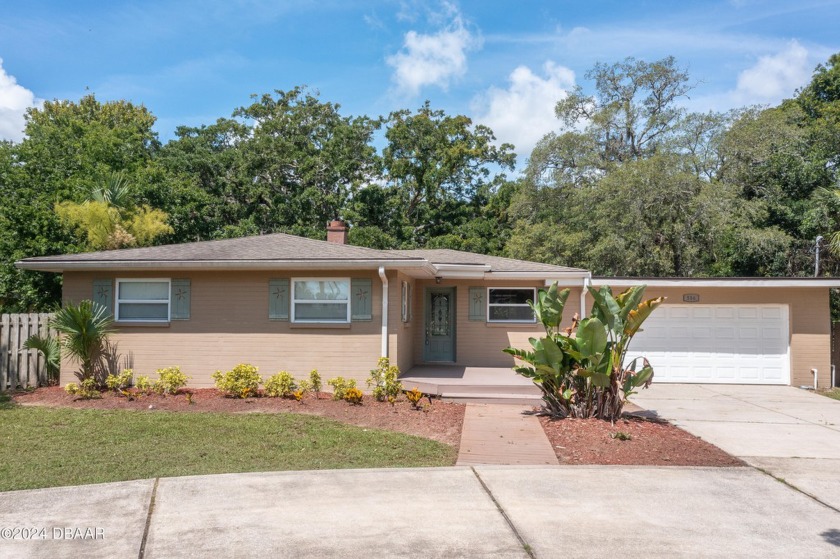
[(737, 344)]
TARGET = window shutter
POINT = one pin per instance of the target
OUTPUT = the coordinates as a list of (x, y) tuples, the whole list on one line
[(478, 306), (179, 299), (278, 299), (361, 299), (103, 293)]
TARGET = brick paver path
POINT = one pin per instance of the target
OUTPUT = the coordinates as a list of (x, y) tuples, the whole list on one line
[(502, 434)]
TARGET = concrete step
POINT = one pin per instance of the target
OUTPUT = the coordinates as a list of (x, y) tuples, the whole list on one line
[(441, 389), (491, 398)]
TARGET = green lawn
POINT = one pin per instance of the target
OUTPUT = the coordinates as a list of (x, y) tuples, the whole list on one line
[(46, 447), (831, 393)]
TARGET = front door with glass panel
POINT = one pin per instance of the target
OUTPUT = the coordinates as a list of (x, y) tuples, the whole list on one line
[(440, 324)]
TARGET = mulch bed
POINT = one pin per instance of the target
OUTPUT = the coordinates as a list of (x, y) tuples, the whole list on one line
[(652, 442), (440, 421)]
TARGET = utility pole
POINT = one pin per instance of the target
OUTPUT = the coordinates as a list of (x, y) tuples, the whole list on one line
[(817, 260)]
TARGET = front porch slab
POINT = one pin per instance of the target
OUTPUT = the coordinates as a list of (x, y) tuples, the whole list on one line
[(472, 384)]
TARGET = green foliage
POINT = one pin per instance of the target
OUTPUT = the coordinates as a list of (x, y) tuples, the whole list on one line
[(315, 380), (84, 331), (340, 386), (50, 348), (242, 381), (170, 380), (143, 384), (87, 389), (281, 385), (621, 436), (353, 396), (581, 370), (384, 380), (121, 381)]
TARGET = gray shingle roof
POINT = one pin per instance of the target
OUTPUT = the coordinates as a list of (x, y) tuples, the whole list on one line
[(496, 263), (277, 246)]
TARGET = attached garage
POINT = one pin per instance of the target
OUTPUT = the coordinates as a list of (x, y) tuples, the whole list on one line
[(736, 330), (733, 344)]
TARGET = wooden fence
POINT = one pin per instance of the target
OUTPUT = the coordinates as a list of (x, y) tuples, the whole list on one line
[(21, 369)]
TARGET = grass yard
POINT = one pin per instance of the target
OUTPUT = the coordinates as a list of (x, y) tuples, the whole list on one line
[(47, 447), (831, 393)]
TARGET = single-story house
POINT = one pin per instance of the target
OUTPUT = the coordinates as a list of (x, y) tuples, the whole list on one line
[(283, 302)]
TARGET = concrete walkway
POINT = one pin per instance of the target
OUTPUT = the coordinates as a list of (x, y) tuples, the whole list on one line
[(791, 433), (484, 511), (503, 434)]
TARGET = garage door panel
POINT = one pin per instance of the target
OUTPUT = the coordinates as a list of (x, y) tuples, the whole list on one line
[(717, 343)]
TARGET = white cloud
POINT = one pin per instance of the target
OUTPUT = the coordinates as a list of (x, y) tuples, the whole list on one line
[(523, 113), (433, 59), (14, 100), (774, 77)]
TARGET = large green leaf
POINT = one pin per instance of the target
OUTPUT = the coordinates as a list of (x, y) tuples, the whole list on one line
[(605, 308), (629, 299), (548, 308), (591, 337)]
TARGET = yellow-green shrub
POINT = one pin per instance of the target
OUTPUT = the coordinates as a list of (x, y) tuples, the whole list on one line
[(85, 390), (281, 385), (170, 381), (120, 381), (414, 396), (315, 380), (384, 381), (143, 384), (354, 396), (241, 382), (340, 386)]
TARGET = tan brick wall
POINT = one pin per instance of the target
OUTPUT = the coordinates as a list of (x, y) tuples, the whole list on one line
[(229, 324), (480, 344), (809, 316)]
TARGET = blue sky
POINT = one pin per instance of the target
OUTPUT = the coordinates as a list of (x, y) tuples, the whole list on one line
[(504, 64)]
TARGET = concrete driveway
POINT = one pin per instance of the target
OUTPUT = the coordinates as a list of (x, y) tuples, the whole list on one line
[(483, 511), (791, 433)]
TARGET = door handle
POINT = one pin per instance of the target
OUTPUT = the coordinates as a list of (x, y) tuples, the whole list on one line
[(427, 336)]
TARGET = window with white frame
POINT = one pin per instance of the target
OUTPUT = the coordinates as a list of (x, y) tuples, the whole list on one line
[(406, 301), (142, 300), (321, 300), (510, 304)]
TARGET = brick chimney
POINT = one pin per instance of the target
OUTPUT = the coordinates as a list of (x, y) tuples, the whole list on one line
[(337, 232)]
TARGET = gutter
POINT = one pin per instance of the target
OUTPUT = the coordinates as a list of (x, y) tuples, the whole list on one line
[(384, 277), (583, 292), (197, 265)]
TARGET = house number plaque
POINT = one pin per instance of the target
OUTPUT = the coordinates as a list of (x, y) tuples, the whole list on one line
[(691, 297)]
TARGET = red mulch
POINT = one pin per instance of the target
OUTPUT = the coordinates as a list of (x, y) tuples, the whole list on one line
[(652, 442), (440, 421)]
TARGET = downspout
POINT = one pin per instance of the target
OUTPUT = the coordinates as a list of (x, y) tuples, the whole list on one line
[(384, 278), (583, 292)]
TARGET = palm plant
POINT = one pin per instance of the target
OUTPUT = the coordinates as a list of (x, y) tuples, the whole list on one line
[(581, 370), (51, 350), (84, 330)]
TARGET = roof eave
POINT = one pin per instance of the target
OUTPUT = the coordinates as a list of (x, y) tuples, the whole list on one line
[(197, 265), (719, 282)]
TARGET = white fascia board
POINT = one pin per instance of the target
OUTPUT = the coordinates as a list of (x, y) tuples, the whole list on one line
[(719, 282), (547, 277), (198, 265)]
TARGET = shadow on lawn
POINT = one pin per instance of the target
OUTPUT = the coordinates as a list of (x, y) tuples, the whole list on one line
[(6, 402)]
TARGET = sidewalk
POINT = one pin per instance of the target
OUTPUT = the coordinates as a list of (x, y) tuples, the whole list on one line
[(485, 511)]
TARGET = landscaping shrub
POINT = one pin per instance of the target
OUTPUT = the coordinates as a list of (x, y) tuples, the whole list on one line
[(170, 381), (580, 370), (50, 348), (281, 385), (414, 396), (340, 386), (354, 396), (384, 381), (120, 381), (84, 330), (241, 382), (315, 380), (143, 384), (86, 390)]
